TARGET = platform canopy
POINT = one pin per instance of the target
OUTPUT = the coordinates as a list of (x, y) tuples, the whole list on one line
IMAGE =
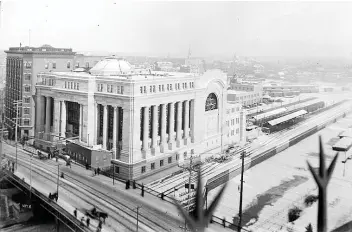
[(343, 144), (287, 117), (269, 114)]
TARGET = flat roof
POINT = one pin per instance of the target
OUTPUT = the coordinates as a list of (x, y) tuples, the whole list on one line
[(269, 114), (287, 117), (343, 144)]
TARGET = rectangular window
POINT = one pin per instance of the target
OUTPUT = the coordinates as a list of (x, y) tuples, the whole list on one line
[(46, 66), (167, 87), (65, 84), (145, 89), (118, 89), (237, 131), (143, 169), (27, 77), (153, 88), (121, 89), (159, 88), (171, 87), (141, 89), (54, 65), (26, 122), (74, 85), (27, 88), (169, 160), (27, 100), (77, 86), (161, 163), (177, 156), (68, 64), (26, 110), (152, 166), (163, 88), (117, 170)]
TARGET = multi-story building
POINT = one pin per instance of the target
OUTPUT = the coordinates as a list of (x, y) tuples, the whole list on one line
[(22, 66), (235, 123), (146, 120), (287, 90), (245, 93)]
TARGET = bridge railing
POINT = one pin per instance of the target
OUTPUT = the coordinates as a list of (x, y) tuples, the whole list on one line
[(56, 210)]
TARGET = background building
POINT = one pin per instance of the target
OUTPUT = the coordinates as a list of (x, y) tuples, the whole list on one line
[(22, 66), (146, 120)]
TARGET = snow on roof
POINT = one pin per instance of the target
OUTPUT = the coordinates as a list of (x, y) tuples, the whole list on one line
[(269, 114), (343, 144), (287, 117)]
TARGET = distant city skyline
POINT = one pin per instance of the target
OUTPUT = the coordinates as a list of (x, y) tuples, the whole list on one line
[(160, 28)]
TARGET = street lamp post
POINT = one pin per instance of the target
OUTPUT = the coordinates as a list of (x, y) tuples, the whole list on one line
[(58, 176)]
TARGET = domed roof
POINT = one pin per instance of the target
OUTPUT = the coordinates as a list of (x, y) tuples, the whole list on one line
[(111, 66)]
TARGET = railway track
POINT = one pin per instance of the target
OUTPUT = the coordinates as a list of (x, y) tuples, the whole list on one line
[(155, 224)]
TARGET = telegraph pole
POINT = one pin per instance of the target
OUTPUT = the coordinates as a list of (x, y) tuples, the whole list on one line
[(16, 127), (241, 194), (58, 175), (2, 126)]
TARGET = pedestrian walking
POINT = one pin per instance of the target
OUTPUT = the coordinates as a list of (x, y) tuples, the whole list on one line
[(100, 225), (95, 171), (88, 221), (98, 170), (75, 212), (82, 221)]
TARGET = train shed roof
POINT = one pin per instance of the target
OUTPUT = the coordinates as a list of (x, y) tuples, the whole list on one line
[(287, 117)]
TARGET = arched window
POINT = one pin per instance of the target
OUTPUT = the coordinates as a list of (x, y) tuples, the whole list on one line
[(211, 102)]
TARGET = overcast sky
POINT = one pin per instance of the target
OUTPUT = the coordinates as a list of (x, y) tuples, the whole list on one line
[(210, 28)]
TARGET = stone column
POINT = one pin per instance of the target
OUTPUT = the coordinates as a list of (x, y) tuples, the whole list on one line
[(145, 128), (48, 118), (80, 129), (40, 114), (115, 131), (192, 112), (97, 123), (105, 126), (163, 128), (63, 119), (171, 126), (186, 117), (154, 128), (56, 118), (179, 124)]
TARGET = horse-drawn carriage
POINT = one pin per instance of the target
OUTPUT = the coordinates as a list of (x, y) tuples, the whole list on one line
[(53, 196), (93, 213)]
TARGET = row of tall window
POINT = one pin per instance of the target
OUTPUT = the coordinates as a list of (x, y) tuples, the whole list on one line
[(161, 164), (71, 85), (48, 81), (110, 88), (169, 87), (233, 132), (232, 121)]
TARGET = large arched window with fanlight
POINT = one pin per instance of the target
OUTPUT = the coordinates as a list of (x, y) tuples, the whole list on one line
[(211, 103)]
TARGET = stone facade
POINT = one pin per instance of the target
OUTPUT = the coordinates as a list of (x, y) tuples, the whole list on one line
[(148, 120)]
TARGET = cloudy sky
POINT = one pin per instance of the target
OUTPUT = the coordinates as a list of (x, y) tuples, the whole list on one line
[(210, 28)]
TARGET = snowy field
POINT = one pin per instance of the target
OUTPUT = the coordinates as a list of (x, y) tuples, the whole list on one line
[(282, 182)]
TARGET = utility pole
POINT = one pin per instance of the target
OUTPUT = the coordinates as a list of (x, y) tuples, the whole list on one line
[(138, 207), (2, 126), (58, 175), (30, 176), (241, 194), (17, 103)]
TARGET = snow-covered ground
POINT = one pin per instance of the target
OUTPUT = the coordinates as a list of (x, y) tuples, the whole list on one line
[(282, 182)]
